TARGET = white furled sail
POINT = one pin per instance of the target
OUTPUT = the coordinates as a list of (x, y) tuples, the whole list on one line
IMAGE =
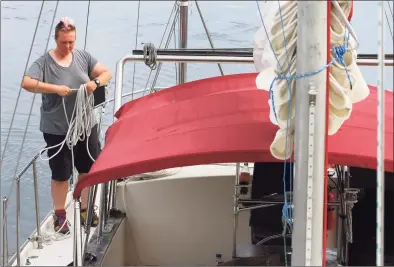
[(274, 53)]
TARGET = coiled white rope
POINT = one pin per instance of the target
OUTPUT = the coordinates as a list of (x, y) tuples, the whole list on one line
[(81, 123)]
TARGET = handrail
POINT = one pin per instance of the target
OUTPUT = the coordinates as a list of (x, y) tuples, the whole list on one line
[(18, 220), (167, 58), (362, 59), (38, 237), (36, 202), (19, 175), (18, 211), (127, 94), (220, 57), (5, 238)]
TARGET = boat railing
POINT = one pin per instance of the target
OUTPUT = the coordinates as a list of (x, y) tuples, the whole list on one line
[(37, 238), (5, 238), (206, 56)]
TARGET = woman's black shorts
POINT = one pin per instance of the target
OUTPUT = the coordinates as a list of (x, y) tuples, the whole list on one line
[(61, 164)]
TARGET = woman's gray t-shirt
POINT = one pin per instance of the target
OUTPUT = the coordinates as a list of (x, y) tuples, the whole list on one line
[(45, 69)]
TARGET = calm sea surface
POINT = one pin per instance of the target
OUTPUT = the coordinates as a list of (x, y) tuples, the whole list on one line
[(111, 34)]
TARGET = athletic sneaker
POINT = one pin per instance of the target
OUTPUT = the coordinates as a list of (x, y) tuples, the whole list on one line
[(84, 215), (60, 222)]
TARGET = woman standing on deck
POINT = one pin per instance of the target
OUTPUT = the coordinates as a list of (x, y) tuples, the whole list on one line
[(53, 75)]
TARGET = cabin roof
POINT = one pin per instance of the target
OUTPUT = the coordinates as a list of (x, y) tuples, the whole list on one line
[(218, 120)]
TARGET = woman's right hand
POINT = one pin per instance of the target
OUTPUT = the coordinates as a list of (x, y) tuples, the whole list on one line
[(63, 90)]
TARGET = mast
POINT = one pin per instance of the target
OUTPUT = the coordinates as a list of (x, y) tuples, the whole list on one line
[(183, 20), (310, 117), (380, 143)]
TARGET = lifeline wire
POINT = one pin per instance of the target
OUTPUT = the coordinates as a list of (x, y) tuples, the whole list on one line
[(174, 11), (20, 88), (136, 41), (16, 104), (87, 26), (35, 93), (170, 33), (388, 23)]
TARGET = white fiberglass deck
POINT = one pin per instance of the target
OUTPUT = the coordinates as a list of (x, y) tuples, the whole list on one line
[(57, 249)]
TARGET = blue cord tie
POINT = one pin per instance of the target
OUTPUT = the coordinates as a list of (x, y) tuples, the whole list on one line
[(339, 52), (287, 212)]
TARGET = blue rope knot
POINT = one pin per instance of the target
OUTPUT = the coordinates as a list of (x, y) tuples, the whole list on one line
[(287, 212), (339, 53)]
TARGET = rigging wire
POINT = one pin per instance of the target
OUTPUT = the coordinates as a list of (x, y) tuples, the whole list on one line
[(32, 104), (172, 30), (35, 92), (84, 48), (388, 24), (266, 33), (286, 208), (391, 11), (20, 88), (175, 64), (175, 10), (208, 34), (136, 40), (87, 26)]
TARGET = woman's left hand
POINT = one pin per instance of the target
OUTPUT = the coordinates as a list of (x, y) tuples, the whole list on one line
[(91, 86)]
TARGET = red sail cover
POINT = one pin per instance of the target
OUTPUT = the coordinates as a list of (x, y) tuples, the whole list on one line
[(218, 120)]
